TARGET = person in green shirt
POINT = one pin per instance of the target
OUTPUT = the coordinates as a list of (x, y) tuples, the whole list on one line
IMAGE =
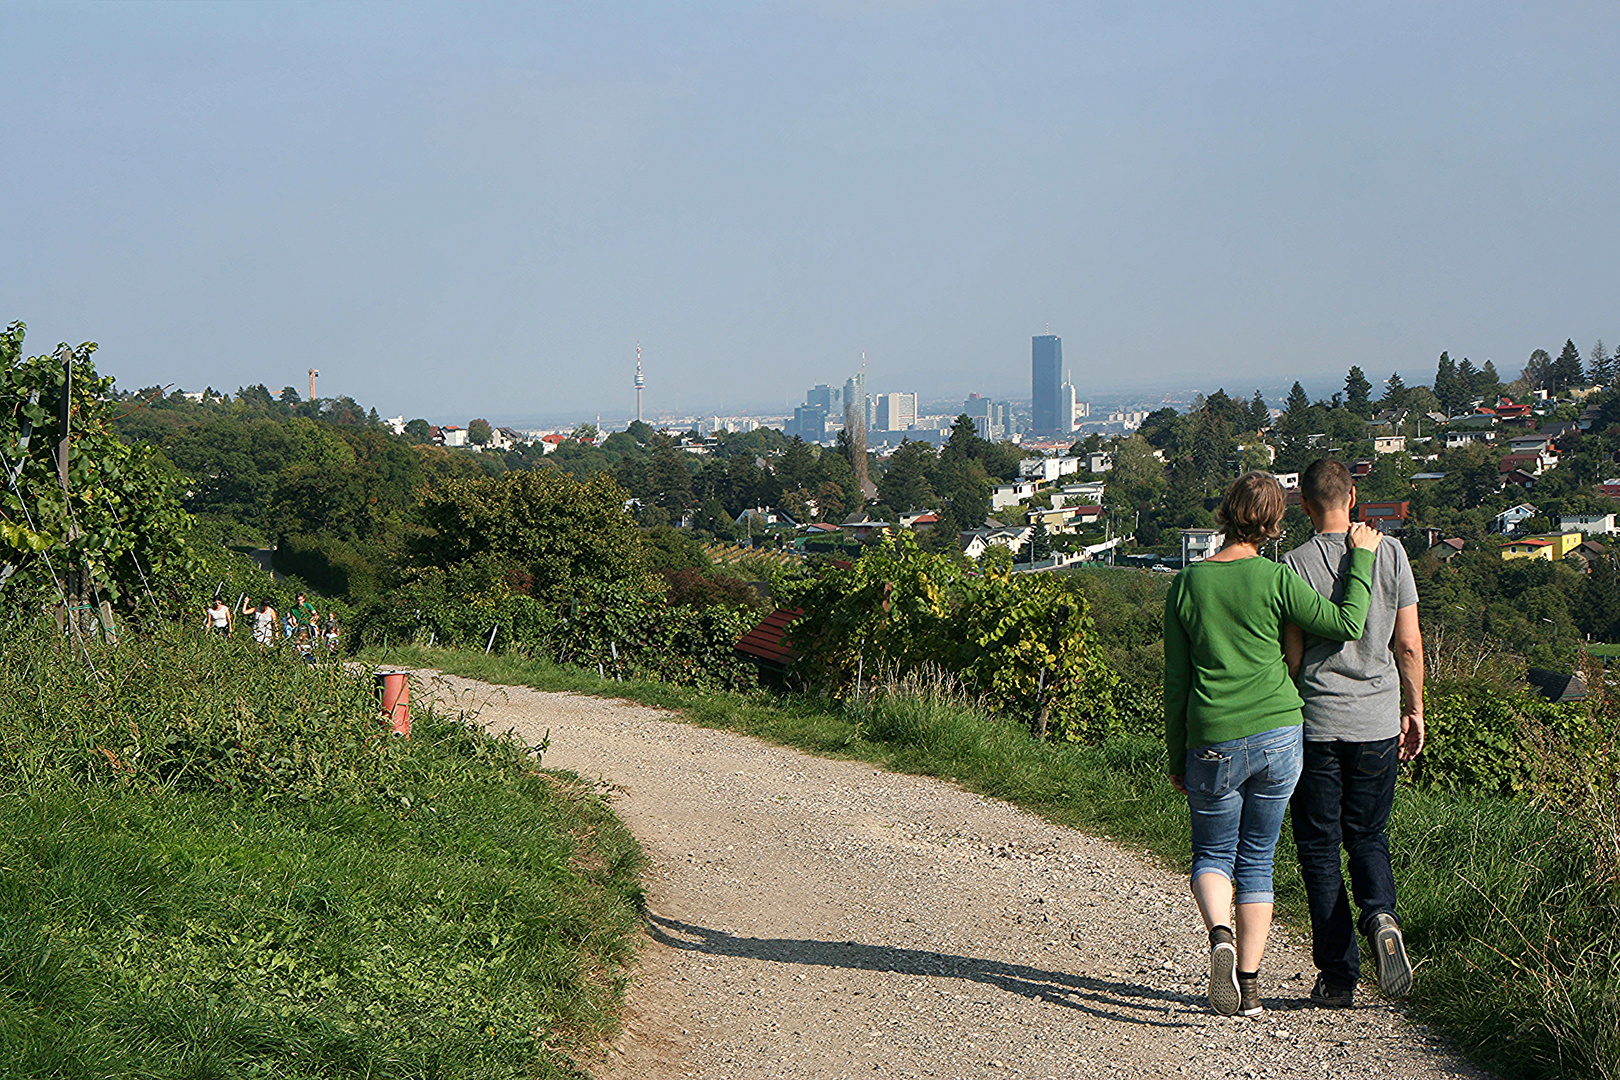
[(1232, 718)]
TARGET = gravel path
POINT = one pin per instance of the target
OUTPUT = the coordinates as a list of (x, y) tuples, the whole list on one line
[(815, 918)]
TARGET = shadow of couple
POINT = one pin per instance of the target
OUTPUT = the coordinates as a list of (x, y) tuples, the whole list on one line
[(1124, 1002)]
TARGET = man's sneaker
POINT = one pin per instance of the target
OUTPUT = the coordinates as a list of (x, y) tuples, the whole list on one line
[(1223, 985), (1389, 954), (1249, 995), (1328, 996)]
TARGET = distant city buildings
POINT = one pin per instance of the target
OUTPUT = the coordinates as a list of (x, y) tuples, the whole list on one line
[(828, 397), (896, 412), (809, 423), (994, 419), (1046, 397)]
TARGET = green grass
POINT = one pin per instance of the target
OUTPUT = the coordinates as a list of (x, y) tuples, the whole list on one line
[(1598, 648), (448, 910), (1511, 909)]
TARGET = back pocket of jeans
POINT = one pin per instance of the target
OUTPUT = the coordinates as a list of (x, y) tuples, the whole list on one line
[(1209, 772)]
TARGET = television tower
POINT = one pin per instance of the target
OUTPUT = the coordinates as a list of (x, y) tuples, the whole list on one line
[(641, 382)]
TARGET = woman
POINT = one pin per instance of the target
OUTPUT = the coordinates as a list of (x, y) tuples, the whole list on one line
[(264, 621), (1232, 718), (218, 619)]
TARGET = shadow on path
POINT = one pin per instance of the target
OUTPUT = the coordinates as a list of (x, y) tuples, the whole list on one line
[(1123, 1002)]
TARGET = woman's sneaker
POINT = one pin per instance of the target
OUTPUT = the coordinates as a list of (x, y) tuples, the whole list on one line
[(1224, 996), (1249, 995), (1389, 954)]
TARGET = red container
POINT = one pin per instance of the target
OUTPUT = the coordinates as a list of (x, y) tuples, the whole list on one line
[(396, 700)]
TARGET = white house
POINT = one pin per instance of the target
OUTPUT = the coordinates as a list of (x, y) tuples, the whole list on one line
[(1091, 491), (1199, 544), (1389, 444), (453, 436), (978, 541), (1046, 469), (1508, 520), (1005, 495), (1456, 439), (396, 424), (1100, 461), (1590, 524), (1288, 480)]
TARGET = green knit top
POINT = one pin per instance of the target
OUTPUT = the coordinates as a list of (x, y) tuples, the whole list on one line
[(1224, 673)]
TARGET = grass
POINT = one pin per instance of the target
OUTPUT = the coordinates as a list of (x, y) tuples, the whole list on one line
[(1513, 912), (446, 910), (1598, 648)]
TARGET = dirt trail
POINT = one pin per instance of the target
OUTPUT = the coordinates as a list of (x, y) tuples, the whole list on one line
[(815, 918)]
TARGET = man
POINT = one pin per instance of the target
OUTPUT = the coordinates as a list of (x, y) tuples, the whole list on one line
[(1363, 717), (303, 611)]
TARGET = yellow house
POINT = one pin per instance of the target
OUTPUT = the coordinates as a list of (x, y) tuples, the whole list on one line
[(1552, 547), (1534, 547)]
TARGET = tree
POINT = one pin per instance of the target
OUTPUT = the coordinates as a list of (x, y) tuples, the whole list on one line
[(479, 432), (1567, 370), (1489, 384), (1299, 401), (1137, 478), (584, 433), (1446, 386), (1259, 415), (418, 432), (1538, 371), (964, 443), (1394, 392), (1467, 384), (1600, 365), (904, 484), (1357, 392), (1040, 545)]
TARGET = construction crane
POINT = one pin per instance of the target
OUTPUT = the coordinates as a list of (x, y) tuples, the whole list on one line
[(641, 382)]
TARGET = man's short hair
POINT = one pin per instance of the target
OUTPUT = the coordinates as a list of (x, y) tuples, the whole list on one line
[(1327, 483), (1253, 508)]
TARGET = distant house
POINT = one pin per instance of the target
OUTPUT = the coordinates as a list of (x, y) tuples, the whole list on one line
[(1005, 495), (1456, 439), (1288, 480), (1360, 470), (1590, 524), (1519, 478), (1589, 416), (1556, 686), (1047, 469), (1389, 444), (1099, 462), (1531, 547), (1507, 410), (451, 435), (919, 520), (1610, 489), (1199, 544), (859, 526), (1446, 550), (1533, 462), (1508, 520), (1427, 476), (549, 443), (977, 542), (1384, 516), (1524, 444), (1586, 551)]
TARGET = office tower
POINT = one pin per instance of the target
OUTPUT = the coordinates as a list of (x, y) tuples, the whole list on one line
[(896, 412), (810, 423), (1066, 407), (857, 406), (993, 419), (1047, 382), (823, 395)]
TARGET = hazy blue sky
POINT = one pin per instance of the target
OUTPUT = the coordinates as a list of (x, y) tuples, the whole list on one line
[(458, 210)]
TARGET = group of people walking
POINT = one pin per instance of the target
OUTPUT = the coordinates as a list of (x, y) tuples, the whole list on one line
[(303, 625), (1294, 688)]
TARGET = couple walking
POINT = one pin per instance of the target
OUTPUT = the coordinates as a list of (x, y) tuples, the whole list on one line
[(1245, 741)]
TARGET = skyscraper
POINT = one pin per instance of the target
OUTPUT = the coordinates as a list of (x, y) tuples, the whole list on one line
[(1046, 399), (823, 395), (896, 412)]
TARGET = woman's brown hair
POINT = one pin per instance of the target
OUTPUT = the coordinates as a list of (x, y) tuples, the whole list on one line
[(1253, 509)]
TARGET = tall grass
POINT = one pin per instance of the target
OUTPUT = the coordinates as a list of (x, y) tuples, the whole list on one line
[(284, 892), (1511, 906)]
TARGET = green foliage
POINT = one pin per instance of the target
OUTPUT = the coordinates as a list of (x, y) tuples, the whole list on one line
[(1482, 735), (1023, 642), (257, 882), (119, 522)]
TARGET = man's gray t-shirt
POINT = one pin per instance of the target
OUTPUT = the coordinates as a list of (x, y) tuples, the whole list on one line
[(1352, 689)]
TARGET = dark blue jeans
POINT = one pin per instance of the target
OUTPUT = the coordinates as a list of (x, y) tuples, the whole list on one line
[(1343, 799)]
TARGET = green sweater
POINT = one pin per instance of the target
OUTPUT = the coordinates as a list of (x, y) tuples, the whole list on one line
[(1224, 673)]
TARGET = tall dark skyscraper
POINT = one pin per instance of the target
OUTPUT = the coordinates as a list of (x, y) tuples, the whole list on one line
[(1047, 396)]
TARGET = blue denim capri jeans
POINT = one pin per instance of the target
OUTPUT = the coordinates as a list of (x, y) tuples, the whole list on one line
[(1238, 793)]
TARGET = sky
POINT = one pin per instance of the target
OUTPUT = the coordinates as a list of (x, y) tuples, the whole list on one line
[(465, 210)]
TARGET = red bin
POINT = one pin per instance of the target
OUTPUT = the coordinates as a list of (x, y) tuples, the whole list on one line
[(396, 700)]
